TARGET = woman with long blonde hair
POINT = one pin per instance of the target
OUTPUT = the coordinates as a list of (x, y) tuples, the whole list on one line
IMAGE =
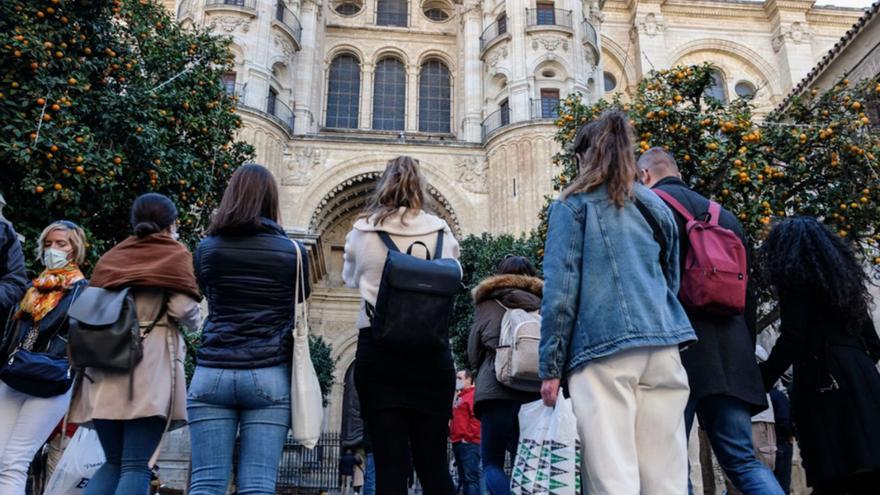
[(611, 320), (35, 381), (405, 394)]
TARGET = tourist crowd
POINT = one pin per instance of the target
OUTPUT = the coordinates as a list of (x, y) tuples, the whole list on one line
[(644, 318)]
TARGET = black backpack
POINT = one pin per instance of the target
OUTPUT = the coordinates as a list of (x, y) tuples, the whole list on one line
[(415, 300), (105, 331)]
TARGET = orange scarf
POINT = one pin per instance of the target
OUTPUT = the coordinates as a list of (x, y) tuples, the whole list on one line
[(47, 291)]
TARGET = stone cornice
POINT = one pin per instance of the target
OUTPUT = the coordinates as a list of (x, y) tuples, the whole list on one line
[(713, 9), (788, 5)]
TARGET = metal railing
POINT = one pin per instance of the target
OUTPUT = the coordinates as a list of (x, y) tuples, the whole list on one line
[(492, 33), (287, 18), (548, 17), (495, 121), (590, 35), (277, 111), (543, 109), (244, 4)]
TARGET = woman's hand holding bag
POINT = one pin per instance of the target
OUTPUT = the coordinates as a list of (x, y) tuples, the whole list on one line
[(306, 408)]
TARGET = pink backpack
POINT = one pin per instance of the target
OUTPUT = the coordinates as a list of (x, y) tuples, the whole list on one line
[(715, 274)]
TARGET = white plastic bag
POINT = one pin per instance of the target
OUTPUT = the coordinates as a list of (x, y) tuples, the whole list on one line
[(81, 459), (306, 407), (548, 458)]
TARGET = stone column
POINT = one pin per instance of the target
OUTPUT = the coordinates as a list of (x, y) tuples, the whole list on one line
[(307, 71), (412, 98), (792, 39), (471, 72), (518, 84), (366, 105), (648, 34)]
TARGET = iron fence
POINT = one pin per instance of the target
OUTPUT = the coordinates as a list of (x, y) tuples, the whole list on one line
[(544, 108), (590, 35), (548, 17), (493, 32), (286, 17), (495, 121)]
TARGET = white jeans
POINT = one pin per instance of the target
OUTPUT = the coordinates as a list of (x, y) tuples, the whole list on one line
[(630, 413), (25, 424)]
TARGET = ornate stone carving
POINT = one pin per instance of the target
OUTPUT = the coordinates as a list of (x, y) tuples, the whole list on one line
[(650, 25), (597, 17), (796, 32), (496, 56), (285, 46), (230, 23), (549, 43), (471, 173), (301, 167)]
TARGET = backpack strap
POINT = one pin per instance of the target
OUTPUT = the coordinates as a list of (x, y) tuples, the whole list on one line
[(657, 231), (714, 212), (386, 239), (675, 204), (438, 249)]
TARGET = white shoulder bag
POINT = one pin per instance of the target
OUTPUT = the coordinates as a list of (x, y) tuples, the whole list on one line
[(306, 401)]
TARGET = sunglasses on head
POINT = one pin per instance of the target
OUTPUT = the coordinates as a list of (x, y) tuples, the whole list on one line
[(68, 224)]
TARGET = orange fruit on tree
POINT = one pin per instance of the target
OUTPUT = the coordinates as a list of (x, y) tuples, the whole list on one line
[(58, 187), (117, 160), (80, 169), (39, 189)]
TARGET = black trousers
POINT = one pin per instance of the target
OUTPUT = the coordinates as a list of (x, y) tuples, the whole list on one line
[(404, 439)]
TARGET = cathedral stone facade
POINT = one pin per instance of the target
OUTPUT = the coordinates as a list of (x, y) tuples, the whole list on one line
[(330, 90)]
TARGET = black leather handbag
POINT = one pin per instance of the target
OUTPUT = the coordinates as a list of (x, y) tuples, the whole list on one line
[(105, 332), (416, 298)]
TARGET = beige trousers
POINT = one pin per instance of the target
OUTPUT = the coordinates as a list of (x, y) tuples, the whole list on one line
[(630, 414)]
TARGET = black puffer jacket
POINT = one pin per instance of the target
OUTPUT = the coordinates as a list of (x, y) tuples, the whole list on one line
[(248, 281), (13, 280), (513, 291)]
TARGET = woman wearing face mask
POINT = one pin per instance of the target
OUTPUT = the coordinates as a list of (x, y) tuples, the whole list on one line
[(33, 401), (130, 412)]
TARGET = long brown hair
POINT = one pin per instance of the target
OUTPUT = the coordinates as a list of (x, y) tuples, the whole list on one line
[(401, 185), (604, 151), (252, 194)]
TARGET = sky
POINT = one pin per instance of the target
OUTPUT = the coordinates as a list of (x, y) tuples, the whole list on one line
[(845, 3)]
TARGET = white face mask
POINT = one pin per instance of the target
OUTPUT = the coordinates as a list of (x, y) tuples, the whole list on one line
[(459, 384), (175, 235), (54, 259)]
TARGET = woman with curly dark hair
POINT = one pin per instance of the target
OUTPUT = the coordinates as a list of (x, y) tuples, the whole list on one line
[(828, 335)]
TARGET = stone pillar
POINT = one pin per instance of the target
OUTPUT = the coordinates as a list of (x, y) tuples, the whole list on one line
[(792, 39), (412, 98), (472, 72), (648, 35), (367, 70), (518, 84), (306, 71)]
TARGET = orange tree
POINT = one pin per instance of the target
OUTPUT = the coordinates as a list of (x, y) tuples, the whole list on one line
[(102, 101), (818, 156)]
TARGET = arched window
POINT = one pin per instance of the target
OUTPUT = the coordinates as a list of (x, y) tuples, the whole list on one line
[(389, 95), (392, 13), (344, 92), (435, 95), (610, 81), (716, 89)]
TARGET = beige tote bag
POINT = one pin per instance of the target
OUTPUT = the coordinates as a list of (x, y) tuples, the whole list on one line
[(306, 408)]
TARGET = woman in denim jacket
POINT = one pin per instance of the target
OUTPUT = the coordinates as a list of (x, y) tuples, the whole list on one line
[(612, 323)]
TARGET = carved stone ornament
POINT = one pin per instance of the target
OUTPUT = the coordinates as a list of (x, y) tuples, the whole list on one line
[(549, 43), (285, 47), (651, 25), (230, 23), (472, 173), (796, 32), (496, 56), (302, 166), (597, 17)]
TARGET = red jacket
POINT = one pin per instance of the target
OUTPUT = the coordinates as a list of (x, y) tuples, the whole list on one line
[(465, 426)]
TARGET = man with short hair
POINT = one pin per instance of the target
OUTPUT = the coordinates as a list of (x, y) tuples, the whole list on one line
[(465, 435), (726, 384), (13, 278)]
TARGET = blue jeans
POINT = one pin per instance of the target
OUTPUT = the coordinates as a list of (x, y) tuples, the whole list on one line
[(253, 402), (370, 475), (467, 457), (499, 434), (128, 446), (728, 424)]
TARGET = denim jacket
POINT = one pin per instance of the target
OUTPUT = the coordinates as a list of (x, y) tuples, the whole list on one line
[(605, 290)]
